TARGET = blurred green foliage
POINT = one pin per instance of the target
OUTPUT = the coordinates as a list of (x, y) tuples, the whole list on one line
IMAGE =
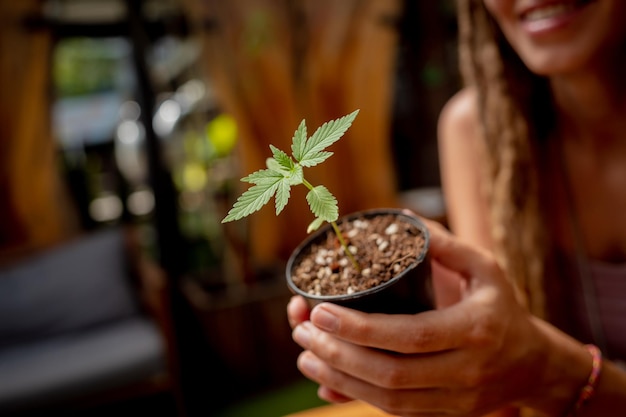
[(83, 66)]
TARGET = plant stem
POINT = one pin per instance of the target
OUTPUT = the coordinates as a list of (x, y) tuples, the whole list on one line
[(338, 233), (345, 246)]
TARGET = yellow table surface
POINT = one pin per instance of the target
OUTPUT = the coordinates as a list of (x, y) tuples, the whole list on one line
[(350, 409)]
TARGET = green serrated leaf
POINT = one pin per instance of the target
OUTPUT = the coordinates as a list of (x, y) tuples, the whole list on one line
[(282, 196), (316, 159), (323, 204), (282, 158), (284, 171), (263, 176), (297, 175), (274, 166), (298, 141), (326, 135), (315, 224), (253, 199), (294, 175)]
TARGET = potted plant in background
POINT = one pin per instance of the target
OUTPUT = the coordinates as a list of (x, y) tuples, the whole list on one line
[(374, 261)]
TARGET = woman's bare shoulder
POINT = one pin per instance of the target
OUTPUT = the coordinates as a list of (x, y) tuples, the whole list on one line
[(461, 161), (459, 120)]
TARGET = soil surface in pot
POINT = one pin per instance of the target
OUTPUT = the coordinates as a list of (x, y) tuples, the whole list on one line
[(383, 246)]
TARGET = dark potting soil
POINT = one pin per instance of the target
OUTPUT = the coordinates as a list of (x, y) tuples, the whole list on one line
[(383, 246)]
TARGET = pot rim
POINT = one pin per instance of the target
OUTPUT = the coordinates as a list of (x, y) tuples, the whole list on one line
[(405, 214)]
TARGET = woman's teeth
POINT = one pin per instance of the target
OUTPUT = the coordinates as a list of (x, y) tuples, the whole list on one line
[(549, 11)]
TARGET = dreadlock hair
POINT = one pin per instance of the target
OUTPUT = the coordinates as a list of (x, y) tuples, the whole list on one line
[(514, 106)]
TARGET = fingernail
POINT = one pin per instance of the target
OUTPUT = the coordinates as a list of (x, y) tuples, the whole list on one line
[(324, 319), (308, 364), (302, 335)]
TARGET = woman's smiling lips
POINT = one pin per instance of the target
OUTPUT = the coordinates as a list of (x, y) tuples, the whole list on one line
[(543, 18)]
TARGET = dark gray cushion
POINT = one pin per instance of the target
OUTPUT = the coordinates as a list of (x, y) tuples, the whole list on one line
[(79, 363), (74, 286)]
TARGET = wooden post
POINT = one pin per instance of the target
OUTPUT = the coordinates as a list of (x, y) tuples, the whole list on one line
[(34, 209)]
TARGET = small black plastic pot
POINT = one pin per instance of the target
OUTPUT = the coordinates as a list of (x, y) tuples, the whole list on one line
[(409, 292)]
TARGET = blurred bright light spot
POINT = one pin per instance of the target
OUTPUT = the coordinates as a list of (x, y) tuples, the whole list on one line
[(128, 132), (105, 208), (140, 202), (191, 93), (194, 177), (166, 117), (169, 111), (130, 110), (222, 133), (129, 152)]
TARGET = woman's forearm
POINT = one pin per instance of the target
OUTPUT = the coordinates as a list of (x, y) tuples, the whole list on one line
[(567, 370), (609, 398)]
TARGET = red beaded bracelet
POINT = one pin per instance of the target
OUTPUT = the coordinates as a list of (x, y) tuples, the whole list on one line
[(592, 382)]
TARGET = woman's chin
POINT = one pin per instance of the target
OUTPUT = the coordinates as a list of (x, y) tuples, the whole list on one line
[(557, 63)]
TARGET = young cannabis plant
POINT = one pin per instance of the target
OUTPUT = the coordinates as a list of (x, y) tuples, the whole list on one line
[(284, 171)]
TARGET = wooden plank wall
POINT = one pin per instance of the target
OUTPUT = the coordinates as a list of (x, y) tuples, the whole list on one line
[(274, 62)]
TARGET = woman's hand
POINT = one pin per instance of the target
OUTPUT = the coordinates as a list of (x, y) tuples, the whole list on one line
[(478, 355), (297, 311)]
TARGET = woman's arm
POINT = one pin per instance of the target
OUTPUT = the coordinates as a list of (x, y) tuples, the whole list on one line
[(461, 160)]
